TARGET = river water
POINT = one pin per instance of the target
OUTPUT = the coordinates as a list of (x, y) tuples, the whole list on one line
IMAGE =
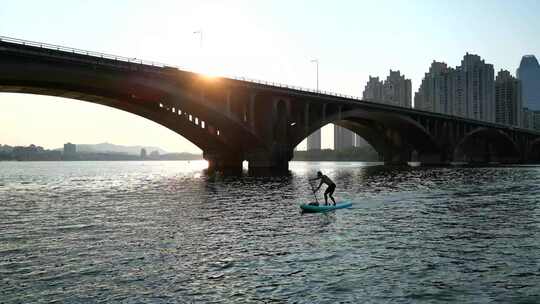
[(166, 232)]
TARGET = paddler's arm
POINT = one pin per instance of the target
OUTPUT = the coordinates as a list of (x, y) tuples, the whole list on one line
[(320, 184)]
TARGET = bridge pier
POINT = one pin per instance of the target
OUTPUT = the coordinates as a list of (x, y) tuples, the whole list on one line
[(432, 159), (225, 163), (264, 163), (395, 157), (267, 167), (396, 162)]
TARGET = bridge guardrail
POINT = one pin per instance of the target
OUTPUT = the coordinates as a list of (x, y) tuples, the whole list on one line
[(82, 52), (56, 47)]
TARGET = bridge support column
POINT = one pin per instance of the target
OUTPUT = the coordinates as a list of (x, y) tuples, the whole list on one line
[(395, 160), (396, 152), (225, 163), (264, 163), (396, 157), (432, 159)]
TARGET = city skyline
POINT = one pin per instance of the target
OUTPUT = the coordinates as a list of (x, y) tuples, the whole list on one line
[(344, 70), (468, 90)]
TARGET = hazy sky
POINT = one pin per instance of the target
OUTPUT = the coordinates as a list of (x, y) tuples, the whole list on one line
[(271, 40)]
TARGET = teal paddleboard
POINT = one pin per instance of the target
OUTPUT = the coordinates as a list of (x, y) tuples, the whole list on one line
[(324, 208)]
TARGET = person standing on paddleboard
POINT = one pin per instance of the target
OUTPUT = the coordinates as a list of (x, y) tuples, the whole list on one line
[(331, 187)]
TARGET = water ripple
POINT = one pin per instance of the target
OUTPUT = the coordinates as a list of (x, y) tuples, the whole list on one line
[(162, 232)]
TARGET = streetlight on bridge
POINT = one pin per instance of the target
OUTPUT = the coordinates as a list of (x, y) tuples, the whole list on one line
[(314, 140), (202, 65), (316, 61), (200, 33)]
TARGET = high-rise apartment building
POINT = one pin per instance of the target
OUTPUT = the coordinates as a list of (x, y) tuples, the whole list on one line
[(314, 141), (508, 105), (343, 138), (70, 149), (536, 120), (477, 81), (528, 118), (529, 75), (531, 119), (467, 91), (373, 91), (395, 90), (435, 92), (359, 141)]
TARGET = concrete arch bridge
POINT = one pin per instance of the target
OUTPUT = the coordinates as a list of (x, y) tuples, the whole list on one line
[(233, 120)]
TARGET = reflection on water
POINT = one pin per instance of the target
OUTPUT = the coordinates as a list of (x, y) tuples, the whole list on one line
[(164, 232)]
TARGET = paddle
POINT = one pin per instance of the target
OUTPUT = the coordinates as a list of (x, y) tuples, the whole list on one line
[(313, 191)]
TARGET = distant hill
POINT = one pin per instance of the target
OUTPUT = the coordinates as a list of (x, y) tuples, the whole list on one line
[(112, 148)]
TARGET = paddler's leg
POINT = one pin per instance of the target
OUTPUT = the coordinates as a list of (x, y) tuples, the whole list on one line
[(326, 196), (331, 190), (333, 200)]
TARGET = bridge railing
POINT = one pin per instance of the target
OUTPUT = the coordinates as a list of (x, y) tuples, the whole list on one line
[(161, 65), (82, 52), (298, 88)]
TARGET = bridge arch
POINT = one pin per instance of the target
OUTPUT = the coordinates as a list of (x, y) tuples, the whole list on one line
[(533, 151), (484, 145), (189, 126), (393, 136), (185, 103)]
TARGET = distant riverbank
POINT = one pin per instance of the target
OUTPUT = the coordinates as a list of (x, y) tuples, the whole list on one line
[(99, 152), (99, 160), (48, 155), (102, 157)]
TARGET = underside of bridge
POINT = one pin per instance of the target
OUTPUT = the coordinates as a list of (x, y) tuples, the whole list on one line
[(487, 146), (395, 137), (400, 139), (533, 153)]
